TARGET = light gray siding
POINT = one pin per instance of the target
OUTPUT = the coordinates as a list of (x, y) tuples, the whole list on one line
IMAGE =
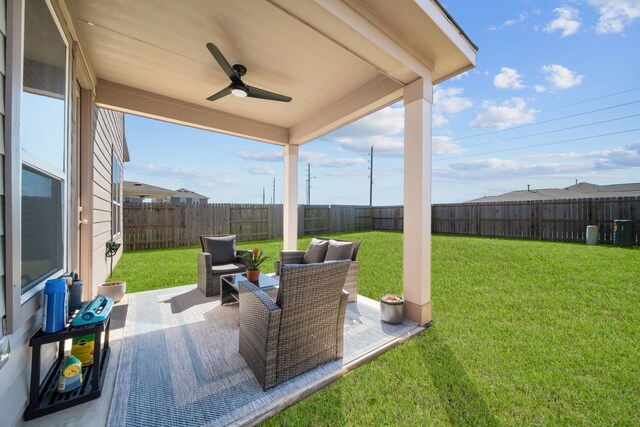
[(108, 140)]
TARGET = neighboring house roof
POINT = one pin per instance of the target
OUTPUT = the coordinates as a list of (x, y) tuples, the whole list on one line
[(581, 190), (142, 190), (146, 191), (183, 192)]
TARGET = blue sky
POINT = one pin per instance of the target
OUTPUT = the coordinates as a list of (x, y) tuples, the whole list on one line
[(554, 98)]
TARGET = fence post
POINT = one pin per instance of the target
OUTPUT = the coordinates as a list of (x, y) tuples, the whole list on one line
[(541, 221)]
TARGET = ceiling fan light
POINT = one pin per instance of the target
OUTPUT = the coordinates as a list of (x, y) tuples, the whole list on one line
[(238, 91)]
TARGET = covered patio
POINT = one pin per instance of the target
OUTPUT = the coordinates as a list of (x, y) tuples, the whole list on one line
[(337, 60), (166, 374)]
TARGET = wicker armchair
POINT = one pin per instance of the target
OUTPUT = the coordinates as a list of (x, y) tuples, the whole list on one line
[(302, 329), (351, 282), (209, 272)]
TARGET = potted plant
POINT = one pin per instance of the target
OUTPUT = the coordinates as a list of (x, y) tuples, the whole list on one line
[(392, 309), (254, 259), (116, 289)]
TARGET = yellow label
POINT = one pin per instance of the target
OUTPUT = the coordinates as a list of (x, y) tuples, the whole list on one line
[(82, 348)]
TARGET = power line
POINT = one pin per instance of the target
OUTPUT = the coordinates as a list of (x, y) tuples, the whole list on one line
[(552, 131), (569, 105), (547, 121), (544, 144)]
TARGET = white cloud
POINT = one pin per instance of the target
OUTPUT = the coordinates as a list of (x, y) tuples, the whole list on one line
[(540, 88), (268, 156), (620, 157), (561, 77), (200, 181), (615, 15), (568, 21), (522, 16), (512, 112), (439, 120), (508, 78), (259, 169), (623, 157), (493, 168), (179, 173), (442, 144), (449, 101), (383, 146), (316, 158), (551, 164)]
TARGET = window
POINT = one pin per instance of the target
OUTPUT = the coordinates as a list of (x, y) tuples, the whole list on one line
[(116, 195), (43, 141)]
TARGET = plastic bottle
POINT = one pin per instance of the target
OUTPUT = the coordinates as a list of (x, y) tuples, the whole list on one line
[(55, 306), (75, 294)]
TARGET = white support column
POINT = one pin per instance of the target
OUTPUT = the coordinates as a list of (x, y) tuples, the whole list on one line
[(416, 269), (290, 208)]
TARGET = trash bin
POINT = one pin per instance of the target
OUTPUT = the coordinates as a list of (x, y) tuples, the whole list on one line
[(622, 232), (592, 234)]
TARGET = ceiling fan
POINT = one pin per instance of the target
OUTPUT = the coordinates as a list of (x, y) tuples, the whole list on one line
[(237, 87)]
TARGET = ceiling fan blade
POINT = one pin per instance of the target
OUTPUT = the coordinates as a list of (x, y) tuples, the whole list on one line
[(254, 92), (224, 92), (220, 59)]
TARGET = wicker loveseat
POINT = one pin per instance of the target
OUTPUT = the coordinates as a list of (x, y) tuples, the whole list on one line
[(218, 257), (316, 254), (302, 329)]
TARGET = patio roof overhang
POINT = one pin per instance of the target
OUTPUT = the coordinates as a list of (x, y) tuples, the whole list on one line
[(339, 60)]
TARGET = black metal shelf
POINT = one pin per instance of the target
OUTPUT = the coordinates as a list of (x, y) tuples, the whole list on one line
[(43, 397)]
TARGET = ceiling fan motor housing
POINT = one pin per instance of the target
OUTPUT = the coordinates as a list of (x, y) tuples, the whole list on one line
[(239, 69)]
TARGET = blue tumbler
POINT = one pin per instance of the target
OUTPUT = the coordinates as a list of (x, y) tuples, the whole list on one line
[(55, 306)]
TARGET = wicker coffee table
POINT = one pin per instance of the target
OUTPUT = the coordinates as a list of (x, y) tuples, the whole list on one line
[(229, 286)]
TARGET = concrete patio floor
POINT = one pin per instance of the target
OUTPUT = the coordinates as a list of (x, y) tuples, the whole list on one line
[(200, 309)]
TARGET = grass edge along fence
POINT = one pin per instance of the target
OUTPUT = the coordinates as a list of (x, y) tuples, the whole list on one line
[(165, 225)]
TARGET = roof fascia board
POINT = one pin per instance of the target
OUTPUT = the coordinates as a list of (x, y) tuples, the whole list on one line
[(142, 103), (455, 34), (361, 25), (377, 93)]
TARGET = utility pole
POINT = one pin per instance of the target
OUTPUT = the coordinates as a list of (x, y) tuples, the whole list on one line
[(273, 189), (371, 178), (308, 183), (263, 195), (309, 178)]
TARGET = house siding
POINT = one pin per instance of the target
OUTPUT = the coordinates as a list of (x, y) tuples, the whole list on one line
[(108, 141), (108, 137)]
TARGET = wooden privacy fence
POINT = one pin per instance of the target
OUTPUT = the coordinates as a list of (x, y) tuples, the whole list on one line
[(149, 226), (559, 220), (167, 225)]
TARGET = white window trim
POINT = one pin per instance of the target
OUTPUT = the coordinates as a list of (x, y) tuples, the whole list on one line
[(22, 306), (114, 202)]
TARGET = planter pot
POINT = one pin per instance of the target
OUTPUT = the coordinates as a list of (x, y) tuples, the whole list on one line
[(391, 310), (115, 290), (253, 275)]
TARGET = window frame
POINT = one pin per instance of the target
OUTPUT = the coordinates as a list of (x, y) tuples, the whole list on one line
[(116, 199), (20, 307), (41, 165)]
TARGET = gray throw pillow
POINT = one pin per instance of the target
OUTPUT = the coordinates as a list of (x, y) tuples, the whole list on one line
[(221, 248), (339, 250), (316, 251)]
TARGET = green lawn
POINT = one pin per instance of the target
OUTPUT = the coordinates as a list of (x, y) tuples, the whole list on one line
[(524, 333)]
